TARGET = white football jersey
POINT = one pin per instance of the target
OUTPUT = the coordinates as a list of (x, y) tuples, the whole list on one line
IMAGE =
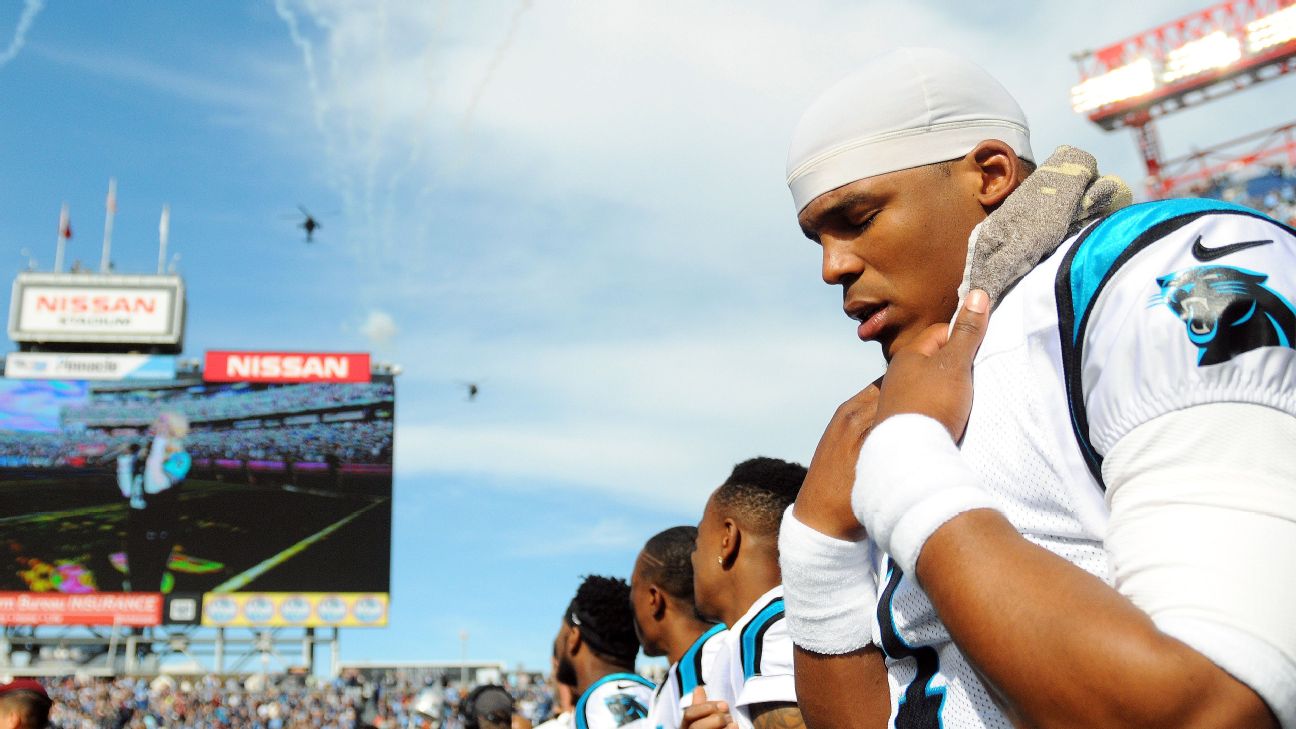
[(695, 668), (1158, 307), (616, 700), (755, 666)]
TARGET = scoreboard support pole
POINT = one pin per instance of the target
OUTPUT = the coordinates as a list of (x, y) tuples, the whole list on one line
[(308, 650), (335, 658)]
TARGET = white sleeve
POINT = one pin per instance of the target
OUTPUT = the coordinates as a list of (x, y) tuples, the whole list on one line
[(1202, 537), (155, 479), (1200, 315), (125, 467), (773, 681)]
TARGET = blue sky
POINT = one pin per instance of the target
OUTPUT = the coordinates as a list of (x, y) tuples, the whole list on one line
[(578, 205)]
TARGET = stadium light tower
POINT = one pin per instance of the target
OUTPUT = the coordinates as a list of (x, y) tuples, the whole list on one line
[(1222, 49)]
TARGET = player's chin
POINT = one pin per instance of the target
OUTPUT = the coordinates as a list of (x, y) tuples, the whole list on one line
[(894, 340)]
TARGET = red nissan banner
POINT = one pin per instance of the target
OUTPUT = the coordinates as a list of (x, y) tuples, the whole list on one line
[(96, 608), (222, 366)]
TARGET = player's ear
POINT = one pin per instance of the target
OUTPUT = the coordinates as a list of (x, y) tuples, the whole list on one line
[(729, 542), (999, 171), (574, 641), (656, 601)]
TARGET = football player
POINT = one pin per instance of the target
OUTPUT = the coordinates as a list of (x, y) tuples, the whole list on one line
[(667, 622), (1102, 537), (736, 581), (595, 650)]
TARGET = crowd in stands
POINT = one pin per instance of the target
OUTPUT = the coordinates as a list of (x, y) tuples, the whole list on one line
[(222, 403), (41, 450), (351, 442), (262, 702), (1272, 192), (90, 432)]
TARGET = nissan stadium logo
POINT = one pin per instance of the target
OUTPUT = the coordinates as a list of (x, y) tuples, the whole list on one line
[(259, 609), (221, 610), (331, 609), (295, 609), (369, 609)]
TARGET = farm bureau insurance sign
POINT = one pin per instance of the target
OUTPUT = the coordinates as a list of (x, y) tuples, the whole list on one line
[(98, 608), (82, 307)]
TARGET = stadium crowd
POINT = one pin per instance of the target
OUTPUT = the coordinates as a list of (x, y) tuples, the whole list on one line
[(108, 408), (272, 702), (1273, 192), (348, 441), (351, 442)]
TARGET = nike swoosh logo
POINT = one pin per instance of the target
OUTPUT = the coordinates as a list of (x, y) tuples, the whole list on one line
[(1204, 254)]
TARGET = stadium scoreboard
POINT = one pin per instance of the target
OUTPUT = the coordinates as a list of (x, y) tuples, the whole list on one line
[(263, 501)]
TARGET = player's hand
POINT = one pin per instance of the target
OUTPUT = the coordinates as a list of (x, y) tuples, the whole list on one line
[(933, 376), (703, 714), (824, 502)]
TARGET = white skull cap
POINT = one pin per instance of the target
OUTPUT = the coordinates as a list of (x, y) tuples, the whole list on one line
[(906, 108)]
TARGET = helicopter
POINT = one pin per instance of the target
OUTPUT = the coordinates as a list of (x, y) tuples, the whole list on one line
[(310, 224), (472, 389)]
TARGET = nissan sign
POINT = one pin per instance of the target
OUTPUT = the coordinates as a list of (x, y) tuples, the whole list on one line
[(80, 307), (286, 367)]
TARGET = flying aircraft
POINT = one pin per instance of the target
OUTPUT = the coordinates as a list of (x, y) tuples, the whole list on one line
[(471, 389), (310, 225)]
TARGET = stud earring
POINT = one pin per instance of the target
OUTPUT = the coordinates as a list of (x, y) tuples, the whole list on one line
[(719, 560)]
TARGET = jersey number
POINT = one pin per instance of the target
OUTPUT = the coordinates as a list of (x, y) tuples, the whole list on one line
[(920, 706)]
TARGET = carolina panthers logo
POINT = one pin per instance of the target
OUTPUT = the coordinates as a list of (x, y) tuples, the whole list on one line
[(1227, 311), (625, 708)]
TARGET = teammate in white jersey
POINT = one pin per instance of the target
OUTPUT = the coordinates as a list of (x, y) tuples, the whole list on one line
[(1103, 536), (736, 581), (667, 623), (595, 651)]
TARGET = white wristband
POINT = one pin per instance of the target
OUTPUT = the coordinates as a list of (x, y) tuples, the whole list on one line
[(909, 481), (829, 588)]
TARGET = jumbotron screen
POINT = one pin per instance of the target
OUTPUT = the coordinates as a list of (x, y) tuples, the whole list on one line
[(235, 491)]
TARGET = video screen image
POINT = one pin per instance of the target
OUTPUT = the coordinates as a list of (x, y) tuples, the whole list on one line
[(192, 487)]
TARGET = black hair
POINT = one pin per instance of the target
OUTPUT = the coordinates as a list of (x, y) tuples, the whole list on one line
[(669, 561), (31, 706), (602, 611), (759, 491)]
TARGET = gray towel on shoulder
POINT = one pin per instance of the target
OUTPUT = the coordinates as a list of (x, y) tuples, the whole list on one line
[(1062, 196)]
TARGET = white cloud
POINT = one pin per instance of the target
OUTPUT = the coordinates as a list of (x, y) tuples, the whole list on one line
[(379, 327), (189, 85), (604, 535), (663, 419), (31, 8), (586, 205)]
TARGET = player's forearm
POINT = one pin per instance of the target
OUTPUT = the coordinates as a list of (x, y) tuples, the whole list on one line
[(1064, 648), (776, 716), (843, 692)]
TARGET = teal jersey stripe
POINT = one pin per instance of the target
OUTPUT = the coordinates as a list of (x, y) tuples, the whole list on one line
[(1103, 246), (753, 632), (690, 664)]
